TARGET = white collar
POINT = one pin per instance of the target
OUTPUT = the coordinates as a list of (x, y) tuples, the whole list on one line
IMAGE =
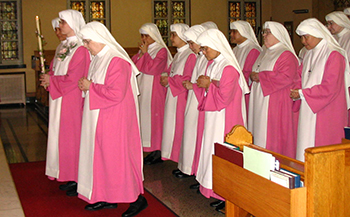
[(343, 32), (102, 52), (219, 58), (243, 44), (183, 48)]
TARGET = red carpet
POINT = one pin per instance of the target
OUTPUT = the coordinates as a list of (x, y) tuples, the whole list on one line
[(41, 197)]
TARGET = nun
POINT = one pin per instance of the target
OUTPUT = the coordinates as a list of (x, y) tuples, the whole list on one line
[(339, 26), (65, 103), (322, 97), (110, 161), (270, 116), (247, 48), (152, 60), (194, 120), (175, 103), (220, 94)]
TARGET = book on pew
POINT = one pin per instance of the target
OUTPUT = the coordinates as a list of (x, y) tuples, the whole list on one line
[(347, 132), (229, 152), (297, 183), (283, 179), (258, 162)]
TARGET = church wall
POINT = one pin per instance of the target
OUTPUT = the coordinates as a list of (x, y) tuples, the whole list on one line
[(128, 16)]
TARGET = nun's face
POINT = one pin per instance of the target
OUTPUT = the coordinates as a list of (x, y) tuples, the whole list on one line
[(176, 40), (93, 46), (333, 27), (194, 47), (236, 37), (269, 39), (59, 34), (146, 39), (65, 28), (310, 41), (209, 53)]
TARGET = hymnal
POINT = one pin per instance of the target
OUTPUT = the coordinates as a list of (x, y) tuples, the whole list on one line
[(229, 153)]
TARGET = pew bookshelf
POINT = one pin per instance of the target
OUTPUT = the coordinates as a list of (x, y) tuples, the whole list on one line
[(325, 173)]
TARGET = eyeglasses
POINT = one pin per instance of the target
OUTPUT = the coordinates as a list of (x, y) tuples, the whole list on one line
[(62, 21), (86, 41), (205, 48), (266, 32)]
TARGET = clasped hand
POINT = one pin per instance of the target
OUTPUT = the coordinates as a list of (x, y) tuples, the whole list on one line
[(45, 80), (164, 81), (254, 76), (203, 81), (188, 85), (84, 84), (294, 94)]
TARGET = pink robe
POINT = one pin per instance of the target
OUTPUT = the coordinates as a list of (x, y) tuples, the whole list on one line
[(179, 92), (247, 69), (344, 42), (277, 84), (226, 94), (154, 67), (117, 174), (66, 86), (328, 101)]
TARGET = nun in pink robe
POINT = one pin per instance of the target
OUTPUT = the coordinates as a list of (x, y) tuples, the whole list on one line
[(110, 163), (65, 100), (339, 26), (220, 93), (180, 70), (322, 96), (194, 120), (152, 60), (247, 49), (270, 117)]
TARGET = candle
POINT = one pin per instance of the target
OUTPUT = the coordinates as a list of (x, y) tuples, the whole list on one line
[(40, 45)]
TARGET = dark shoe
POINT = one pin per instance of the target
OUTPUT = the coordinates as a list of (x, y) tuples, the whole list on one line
[(195, 186), (221, 208), (136, 207), (181, 175), (149, 156), (68, 186), (72, 193), (153, 161), (218, 203), (101, 205), (176, 171)]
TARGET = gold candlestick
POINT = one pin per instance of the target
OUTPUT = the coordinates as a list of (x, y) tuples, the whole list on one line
[(40, 44)]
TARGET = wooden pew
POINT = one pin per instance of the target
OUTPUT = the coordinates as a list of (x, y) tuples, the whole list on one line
[(325, 174)]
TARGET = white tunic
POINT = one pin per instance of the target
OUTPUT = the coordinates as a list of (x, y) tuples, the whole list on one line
[(314, 61), (59, 68), (177, 68), (258, 103), (191, 120), (145, 83)]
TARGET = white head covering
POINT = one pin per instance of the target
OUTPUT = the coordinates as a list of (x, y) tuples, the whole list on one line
[(98, 32), (55, 23), (151, 29), (216, 40), (347, 11), (315, 28), (180, 29), (246, 30), (209, 25), (192, 33), (281, 33), (74, 19), (339, 18)]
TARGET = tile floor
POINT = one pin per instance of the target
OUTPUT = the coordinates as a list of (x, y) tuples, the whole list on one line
[(24, 134)]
